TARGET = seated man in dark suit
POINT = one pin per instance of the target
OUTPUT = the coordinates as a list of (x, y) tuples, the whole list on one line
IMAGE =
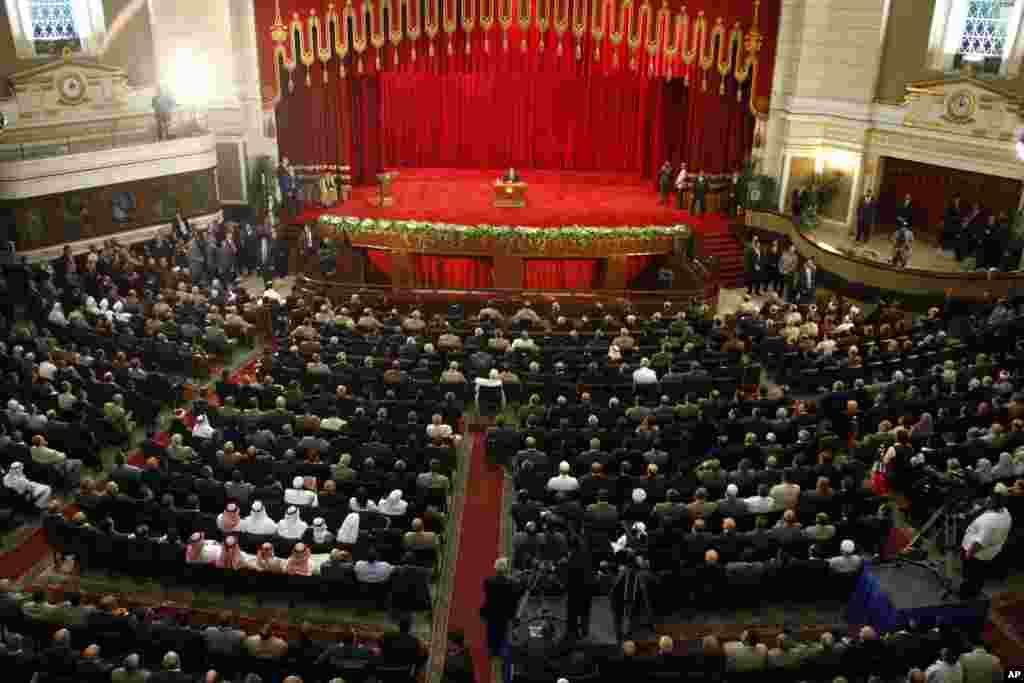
[(403, 647)]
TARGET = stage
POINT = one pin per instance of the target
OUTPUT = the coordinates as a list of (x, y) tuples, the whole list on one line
[(553, 199)]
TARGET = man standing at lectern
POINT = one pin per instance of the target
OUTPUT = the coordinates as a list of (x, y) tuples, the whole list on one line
[(510, 176)]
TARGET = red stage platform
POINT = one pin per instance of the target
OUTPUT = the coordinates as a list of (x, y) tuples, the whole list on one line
[(554, 198)]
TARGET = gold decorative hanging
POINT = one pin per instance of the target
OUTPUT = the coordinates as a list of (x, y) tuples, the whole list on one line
[(525, 16), (468, 21), (665, 35), (637, 30), (487, 22), (579, 24), (505, 11), (601, 13), (542, 20), (432, 22)]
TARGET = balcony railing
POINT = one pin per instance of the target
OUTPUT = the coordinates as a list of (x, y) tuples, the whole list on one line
[(183, 125)]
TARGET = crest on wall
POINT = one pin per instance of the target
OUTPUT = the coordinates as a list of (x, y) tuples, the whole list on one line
[(963, 105)]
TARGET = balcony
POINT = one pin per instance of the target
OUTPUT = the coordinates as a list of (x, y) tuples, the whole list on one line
[(18, 144)]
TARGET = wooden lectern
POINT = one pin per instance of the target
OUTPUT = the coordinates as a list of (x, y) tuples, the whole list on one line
[(384, 197), (509, 195)]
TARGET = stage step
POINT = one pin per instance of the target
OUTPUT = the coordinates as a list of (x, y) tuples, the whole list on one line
[(719, 242)]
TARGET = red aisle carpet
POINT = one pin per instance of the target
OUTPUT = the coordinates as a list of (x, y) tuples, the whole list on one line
[(478, 549), (554, 198)]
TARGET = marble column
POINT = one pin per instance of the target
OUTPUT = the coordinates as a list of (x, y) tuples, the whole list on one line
[(193, 45)]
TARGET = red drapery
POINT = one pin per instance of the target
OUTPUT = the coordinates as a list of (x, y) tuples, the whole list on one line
[(491, 120), (932, 187), (531, 108), (453, 272), (379, 260), (577, 273), (636, 265)]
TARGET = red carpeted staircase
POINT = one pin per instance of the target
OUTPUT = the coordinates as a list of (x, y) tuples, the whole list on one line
[(715, 239)]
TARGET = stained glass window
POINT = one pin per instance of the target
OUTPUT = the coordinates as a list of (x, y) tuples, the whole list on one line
[(982, 32), (53, 26), (44, 28), (985, 31)]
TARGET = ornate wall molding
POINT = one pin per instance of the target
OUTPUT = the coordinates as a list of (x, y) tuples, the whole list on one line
[(57, 174)]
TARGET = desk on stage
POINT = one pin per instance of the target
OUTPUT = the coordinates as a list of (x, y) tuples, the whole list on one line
[(509, 195)]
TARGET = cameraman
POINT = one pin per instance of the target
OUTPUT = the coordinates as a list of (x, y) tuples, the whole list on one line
[(983, 541)]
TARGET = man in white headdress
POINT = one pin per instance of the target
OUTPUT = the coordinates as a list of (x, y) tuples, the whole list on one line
[(258, 521), (846, 562), (203, 429), (393, 505), (15, 479), (298, 494), (230, 520), (348, 534), (292, 526), (321, 534)]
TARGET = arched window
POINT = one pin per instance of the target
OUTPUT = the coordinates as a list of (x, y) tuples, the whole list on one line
[(43, 28), (982, 32)]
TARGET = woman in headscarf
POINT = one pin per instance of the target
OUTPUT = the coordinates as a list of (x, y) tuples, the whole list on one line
[(393, 505), (231, 555), (230, 520), (292, 526), (1004, 468), (321, 534), (38, 494), (203, 429), (56, 316), (258, 522), (266, 561), (348, 534), (301, 562)]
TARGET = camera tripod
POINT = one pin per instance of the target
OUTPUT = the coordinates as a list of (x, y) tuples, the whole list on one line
[(949, 541), (634, 592)]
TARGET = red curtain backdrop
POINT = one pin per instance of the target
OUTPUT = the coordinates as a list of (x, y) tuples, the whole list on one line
[(579, 273), (379, 260), (314, 124), (532, 108), (453, 272), (491, 120)]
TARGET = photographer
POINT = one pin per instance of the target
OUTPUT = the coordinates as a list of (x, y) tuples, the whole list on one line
[(983, 541)]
